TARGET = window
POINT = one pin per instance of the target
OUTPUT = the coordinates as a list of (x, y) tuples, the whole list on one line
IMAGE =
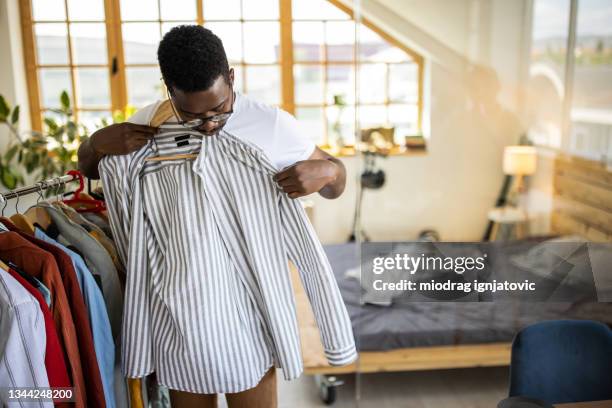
[(325, 62), (297, 54), (570, 106), (67, 51)]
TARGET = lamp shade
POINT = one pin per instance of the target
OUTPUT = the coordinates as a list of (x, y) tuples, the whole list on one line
[(519, 160)]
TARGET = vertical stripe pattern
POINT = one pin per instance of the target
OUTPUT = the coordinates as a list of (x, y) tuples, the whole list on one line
[(209, 304)]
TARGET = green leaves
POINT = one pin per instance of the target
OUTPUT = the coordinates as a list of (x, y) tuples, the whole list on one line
[(15, 115), (65, 101), (47, 154), (4, 109)]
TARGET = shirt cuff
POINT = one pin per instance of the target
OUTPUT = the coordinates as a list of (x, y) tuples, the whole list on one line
[(340, 357)]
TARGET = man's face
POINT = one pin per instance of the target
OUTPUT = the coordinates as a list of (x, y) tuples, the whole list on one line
[(203, 104)]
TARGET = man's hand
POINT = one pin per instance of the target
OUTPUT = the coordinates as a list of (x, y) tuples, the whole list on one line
[(320, 173), (120, 138)]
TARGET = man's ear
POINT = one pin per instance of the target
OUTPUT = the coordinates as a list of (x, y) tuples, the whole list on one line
[(231, 76)]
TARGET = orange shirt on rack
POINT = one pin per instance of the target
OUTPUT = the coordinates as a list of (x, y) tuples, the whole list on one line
[(42, 265)]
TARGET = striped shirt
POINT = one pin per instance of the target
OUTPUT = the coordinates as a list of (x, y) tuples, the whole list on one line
[(209, 304)]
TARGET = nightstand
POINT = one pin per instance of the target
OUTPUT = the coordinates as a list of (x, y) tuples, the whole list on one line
[(508, 223)]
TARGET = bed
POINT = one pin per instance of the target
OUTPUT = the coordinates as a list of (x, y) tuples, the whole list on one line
[(427, 335)]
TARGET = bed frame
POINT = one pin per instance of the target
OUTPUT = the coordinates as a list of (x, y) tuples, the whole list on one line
[(582, 205)]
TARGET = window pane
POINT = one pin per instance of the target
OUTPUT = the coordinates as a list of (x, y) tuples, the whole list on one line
[(546, 71), (341, 81), (372, 116), (372, 83), (140, 42), (404, 119), (139, 10), (591, 113), (51, 43), (403, 83), (238, 78), (231, 36), (45, 10), (261, 42), (260, 10), (178, 9), (308, 41), (341, 124), (86, 10), (263, 83), (372, 47), (52, 82), (93, 87), (308, 84), (402, 113), (144, 86), (593, 67), (340, 41), (165, 27), (316, 10), (92, 120), (312, 122), (89, 43), (221, 9)]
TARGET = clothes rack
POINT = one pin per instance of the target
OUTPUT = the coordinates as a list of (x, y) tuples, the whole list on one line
[(38, 187)]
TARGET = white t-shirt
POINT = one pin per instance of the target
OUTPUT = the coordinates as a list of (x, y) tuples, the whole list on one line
[(273, 130)]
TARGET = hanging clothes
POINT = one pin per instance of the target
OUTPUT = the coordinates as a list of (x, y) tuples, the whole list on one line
[(23, 347), (89, 363), (96, 257), (42, 265), (98, 319), (209, 304), (55, 365)]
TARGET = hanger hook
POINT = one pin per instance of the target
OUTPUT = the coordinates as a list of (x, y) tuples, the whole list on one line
[(5, 201), (40, 191), (17, 205)]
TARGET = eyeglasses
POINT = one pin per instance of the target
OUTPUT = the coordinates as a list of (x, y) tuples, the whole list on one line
[(198, 122)]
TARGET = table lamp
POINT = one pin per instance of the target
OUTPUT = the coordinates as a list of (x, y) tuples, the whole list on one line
[(519, 161)]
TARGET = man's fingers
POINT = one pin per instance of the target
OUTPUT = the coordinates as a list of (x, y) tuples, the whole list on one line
[(288, 172), (289, 181), (295, 195)]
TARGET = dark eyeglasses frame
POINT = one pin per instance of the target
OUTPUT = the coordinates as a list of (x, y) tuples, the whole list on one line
[(198, 122)]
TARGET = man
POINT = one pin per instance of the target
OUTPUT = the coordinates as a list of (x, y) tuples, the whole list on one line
[(200, 88)]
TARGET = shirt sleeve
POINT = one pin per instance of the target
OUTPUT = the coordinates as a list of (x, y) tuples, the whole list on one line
[(292, 144), (307, 254), (143, 116)]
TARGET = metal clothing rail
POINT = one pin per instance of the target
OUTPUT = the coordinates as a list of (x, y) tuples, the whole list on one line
[(38, 187)]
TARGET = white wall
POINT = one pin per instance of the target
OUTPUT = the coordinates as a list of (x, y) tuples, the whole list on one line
[(452, 187), (12, 72)]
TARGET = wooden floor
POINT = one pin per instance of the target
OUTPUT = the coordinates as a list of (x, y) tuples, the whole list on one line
[(458, 388)]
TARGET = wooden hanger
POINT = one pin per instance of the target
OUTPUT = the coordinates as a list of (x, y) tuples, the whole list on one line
[(163, 113), (23, 223), (4, 266)]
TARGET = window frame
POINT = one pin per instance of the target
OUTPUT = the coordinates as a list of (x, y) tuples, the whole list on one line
[(116, 64)]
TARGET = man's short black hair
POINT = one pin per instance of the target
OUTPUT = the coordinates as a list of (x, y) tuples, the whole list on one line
[(191, 58)]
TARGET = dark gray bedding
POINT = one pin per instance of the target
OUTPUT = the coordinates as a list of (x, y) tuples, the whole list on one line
[(419, 324)]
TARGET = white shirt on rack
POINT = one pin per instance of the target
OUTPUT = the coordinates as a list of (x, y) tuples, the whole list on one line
[(22, 342)]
